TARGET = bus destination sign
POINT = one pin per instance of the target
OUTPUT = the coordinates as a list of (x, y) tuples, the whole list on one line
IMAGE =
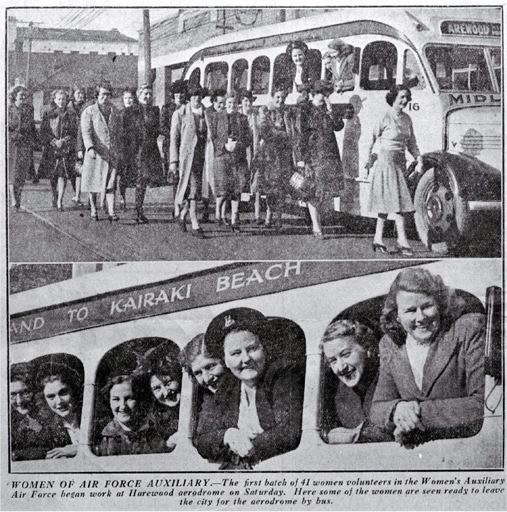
[(471, 28)]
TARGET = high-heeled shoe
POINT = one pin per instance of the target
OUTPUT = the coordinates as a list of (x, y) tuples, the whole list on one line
[(380, 247), (235, 227), (113, 218), (94, 216), (198, 233), (141, 219), (406, 251), (182, 223), (318, 234)]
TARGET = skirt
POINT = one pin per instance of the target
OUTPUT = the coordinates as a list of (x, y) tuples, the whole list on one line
[(389, 190)]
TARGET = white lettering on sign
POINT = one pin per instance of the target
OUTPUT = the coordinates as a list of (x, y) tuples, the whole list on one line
[(459, 99), (475, 29), (78, 314), (272, 273), (33, 324), (150, 299)]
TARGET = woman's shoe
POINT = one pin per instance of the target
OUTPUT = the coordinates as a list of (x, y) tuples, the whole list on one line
[(235, 227), (380, 247), (259, 222), (198, 233), (59, 208), (318, 234), (182, 223), (113, 218), (141, 219), (268, 224), (406, 251), (123, 205), (95, 216)]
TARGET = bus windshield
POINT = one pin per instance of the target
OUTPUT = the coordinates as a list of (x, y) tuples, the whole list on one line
[(461, 68)]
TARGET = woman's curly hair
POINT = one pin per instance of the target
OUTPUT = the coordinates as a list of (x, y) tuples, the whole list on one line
[(415, 280)]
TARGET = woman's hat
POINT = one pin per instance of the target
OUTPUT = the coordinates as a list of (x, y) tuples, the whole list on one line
[(321, 87), (245, 93), (179, 87), (237, 319), (196, 90)]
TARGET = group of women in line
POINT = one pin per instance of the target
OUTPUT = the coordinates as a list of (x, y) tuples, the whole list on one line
[(423, 381), (221, 151)]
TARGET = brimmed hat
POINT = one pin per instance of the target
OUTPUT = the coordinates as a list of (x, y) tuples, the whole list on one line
[(245, 93), (321, 87), (196, 90), (179, 87), (237, 319)]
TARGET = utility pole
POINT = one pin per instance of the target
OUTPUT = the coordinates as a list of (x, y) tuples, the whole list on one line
[(147, 46), (29, 56), (224, 25)]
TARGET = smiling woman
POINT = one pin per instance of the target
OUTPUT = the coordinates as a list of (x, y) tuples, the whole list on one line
[(256, 412), (431, 382)]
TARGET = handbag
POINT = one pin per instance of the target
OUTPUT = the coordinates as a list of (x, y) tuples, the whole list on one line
[(303, 182)]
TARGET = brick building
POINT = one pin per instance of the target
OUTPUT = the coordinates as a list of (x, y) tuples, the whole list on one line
[(190, 28), (62, 58)]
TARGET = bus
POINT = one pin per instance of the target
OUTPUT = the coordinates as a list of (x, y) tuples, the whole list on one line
[(449, 57), (94, 321)]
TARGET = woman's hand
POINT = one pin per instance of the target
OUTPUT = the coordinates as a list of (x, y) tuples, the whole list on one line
[(407, 417), (93, 153), (62, 452), (238, 442), (230, 145)]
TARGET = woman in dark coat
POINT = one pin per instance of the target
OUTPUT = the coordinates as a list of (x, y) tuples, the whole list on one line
[(257, 410), (277, 132), (319, 151), (230, 134), (431, 382), (58, 134), (77, 104), (150, 172), (130, 141), (21, 142)]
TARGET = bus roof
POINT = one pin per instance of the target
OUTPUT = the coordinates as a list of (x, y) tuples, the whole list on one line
[(89, 285), (415, 24)]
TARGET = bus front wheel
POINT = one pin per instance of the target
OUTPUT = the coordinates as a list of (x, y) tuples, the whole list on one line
[(441, 213)]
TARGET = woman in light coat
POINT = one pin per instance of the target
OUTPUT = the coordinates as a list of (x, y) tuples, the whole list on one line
[(187, 152), (101, 127)]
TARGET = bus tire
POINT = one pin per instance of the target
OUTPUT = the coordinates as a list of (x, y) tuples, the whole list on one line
[(441, 213)]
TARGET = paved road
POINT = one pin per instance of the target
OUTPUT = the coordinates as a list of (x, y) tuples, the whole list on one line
[(38, 233)]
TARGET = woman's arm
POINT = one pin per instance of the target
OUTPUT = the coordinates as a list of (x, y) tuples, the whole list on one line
[(287, 406), (174, 149), (386, 396), (468, 409)]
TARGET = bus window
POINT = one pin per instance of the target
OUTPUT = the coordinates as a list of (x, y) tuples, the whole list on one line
[(46, 397), (459, 68), (412, 75), (281, 69), (195, 79), (351, 367), (276, 348), (240, 74), (496, 60), (138, 390), (260, 75), (215, 76), (378, 70)]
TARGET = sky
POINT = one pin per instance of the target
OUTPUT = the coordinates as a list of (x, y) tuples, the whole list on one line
[(127, 20)]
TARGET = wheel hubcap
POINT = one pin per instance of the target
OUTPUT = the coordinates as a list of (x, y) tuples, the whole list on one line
[(440, 208)]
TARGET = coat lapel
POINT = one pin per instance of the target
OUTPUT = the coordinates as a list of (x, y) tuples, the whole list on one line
[(404, 370), (439, 355)]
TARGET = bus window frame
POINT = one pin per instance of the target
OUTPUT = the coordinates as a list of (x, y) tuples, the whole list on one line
[(206, 74), (231, 78), (270, 76), (366, 80), (438, 89)]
